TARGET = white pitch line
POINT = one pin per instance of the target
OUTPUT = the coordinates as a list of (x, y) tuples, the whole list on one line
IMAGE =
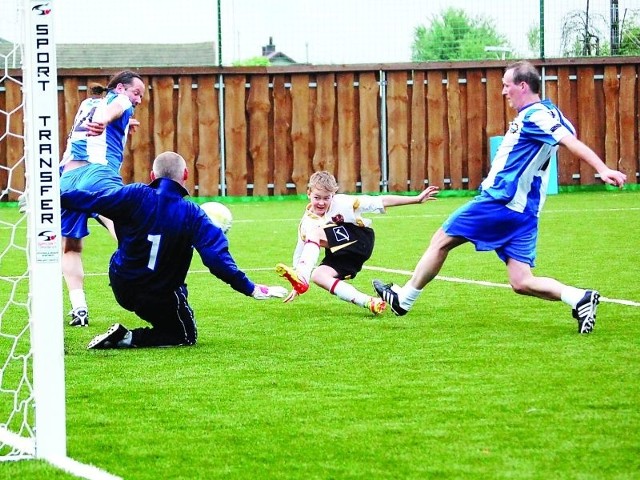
[(629, 303), (619, 301), (26, 445), (81, 470)]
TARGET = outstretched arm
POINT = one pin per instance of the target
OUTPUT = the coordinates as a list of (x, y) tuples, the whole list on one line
[(583, 152), (427, 194)]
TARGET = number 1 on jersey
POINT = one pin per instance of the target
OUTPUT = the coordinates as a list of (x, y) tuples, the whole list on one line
[(153, 254)]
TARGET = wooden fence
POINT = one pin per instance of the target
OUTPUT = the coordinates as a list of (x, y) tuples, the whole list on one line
[(376, 127)]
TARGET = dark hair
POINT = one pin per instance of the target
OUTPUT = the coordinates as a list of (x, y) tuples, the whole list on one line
[(525, 72), (125, 77), (96, 89)]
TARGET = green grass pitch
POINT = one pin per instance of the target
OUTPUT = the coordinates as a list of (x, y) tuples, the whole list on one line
[(476, 382)]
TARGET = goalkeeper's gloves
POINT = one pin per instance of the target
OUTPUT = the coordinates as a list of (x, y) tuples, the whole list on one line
[(263, 292)]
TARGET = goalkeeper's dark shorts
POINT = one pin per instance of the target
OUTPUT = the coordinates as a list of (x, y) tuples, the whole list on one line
[(349, 246), (170, 314)]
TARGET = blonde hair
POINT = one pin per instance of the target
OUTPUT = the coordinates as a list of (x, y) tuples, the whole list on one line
[(323, 181)]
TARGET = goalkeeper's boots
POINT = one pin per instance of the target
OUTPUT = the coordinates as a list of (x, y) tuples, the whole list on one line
[(585, 311), (109, 339), (79, 317), (387, 293), (376, 305), (298, 283)]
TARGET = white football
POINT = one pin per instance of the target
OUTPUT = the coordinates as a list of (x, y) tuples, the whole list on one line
[(219, 214)]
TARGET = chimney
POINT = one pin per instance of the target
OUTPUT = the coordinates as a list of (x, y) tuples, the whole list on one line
[(268, 49)]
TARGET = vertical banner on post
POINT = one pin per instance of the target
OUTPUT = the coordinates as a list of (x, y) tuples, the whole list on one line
[(40, 87)]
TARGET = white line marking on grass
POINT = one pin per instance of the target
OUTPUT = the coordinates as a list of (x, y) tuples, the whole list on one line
[(69, 465), (629, 303), (81, 470), (483, 283)]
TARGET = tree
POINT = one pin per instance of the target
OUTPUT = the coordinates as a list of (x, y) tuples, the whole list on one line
[(533, 38), (583, 34), (252, 62), (630, 37), (454, 35)]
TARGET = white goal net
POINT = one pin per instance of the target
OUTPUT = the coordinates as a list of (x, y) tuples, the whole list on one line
[(32, 411)]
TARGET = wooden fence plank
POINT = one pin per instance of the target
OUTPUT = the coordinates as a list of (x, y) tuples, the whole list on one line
[(495, 105), (324, 124), (163, 114), (568, 164), (347, 158), (455, 130), (235, 135), (184, 128), (437, 136), (208, 162), (282, 149), (369, 128), (258, 108), (629, 162), (418, 132), (397, 128), (300, 132), (140, 147), (611, 90), (478, 162), (464, 130), (586, 95)]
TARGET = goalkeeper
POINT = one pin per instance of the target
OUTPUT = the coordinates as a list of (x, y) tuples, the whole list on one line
[(157, 230)]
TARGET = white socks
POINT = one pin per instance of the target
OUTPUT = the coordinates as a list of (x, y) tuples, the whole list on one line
[(307, 261), (77, 299), (348, 293), (407, 296), (571, 295)]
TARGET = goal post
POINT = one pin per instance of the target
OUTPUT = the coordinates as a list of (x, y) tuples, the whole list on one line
[(37, 425), (43, 228)]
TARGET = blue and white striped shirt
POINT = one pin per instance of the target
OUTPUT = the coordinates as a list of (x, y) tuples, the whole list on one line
[(107, 148), (520, 171)]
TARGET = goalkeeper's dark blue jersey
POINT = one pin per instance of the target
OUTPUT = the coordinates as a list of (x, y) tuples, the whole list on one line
[(157, 230)]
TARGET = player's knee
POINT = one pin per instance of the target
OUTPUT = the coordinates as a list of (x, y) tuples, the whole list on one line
[(519, 286), (71, 245), (317, 278)]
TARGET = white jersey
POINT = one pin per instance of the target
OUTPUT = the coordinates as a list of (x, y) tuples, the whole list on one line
[(343, 209)]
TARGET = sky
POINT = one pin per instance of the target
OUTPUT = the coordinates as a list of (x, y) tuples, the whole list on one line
[(319, 32)]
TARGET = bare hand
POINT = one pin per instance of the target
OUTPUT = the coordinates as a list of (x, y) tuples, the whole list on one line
[(95, 129), (133, 125), (613, 177), (427, 194), (291, 297)]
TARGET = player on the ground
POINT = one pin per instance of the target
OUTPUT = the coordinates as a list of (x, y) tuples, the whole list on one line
[(157, 230), (504, 216), (92, 162), (335, 222)]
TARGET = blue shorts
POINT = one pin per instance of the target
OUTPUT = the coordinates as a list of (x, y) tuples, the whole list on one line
[(91, 177), (490, 225)]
